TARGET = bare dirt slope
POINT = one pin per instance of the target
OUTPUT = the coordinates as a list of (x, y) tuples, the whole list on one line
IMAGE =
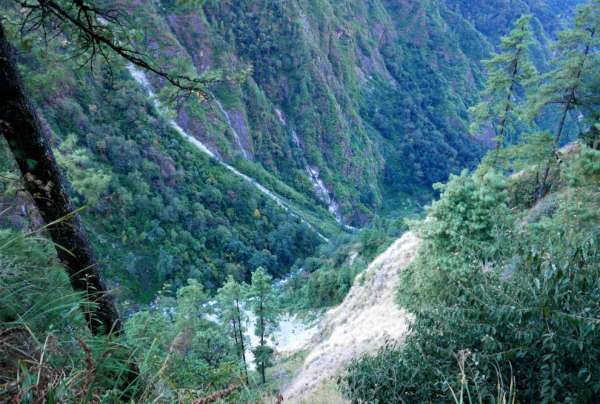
[(361, 323)]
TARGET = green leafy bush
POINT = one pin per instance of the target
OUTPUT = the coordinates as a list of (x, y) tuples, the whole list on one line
[(497, 302)]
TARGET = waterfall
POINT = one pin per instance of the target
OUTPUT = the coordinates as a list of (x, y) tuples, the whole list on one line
[(280, 116), (296, 141), (140, 77), (236, 135), (315, 179), (323, 193)]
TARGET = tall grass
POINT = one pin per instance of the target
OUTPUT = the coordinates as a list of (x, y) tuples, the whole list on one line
[(47, 353)]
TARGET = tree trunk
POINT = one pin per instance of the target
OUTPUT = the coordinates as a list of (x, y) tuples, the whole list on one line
[(21, 127), (570, 101), (241, 336), (542, 189), (262, 338), (508, 107), (235, 334)]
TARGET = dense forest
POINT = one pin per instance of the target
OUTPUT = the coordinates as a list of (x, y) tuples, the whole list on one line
[(184, 182)]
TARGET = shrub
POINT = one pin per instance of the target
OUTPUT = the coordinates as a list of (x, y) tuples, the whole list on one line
[(505, 310)]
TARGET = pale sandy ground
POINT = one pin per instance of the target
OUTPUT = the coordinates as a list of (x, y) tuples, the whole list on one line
[(292, 335), (362, 323)]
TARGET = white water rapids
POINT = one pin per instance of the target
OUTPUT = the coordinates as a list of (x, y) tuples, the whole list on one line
[(290, 335), (140, 77), (323, 193)]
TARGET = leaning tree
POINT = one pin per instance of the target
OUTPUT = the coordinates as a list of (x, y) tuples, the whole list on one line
[(96, 32)]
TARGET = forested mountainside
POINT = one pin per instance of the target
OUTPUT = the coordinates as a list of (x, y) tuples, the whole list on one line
[(356, 94), (348, 105), (187, 186)]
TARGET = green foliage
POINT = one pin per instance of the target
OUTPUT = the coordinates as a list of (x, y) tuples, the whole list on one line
[(181, 349), (377, 94), (46, 350), (509, 74), (585, 169), (417, 153), (324, 280), (574, 67), (24, 258), (517, 305), (178, 343), (186, 216), (469, 210), (231, 312), (460, 233), (87, 181), (493, 18), (264, 309), (505, 294)]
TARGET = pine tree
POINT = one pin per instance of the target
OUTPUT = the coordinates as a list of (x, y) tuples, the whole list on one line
[(231, 313), (263, 307), (190, 303), (197, 337), (576, 60), (509, 73)]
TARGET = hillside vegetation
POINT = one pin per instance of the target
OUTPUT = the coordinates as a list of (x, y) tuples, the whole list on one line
[(505, 286), (353, 107), (502, 311), (291, 179)]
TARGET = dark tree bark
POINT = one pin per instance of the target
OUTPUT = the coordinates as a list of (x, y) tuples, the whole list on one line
[(20, 125), (513, 78), (241, 337)]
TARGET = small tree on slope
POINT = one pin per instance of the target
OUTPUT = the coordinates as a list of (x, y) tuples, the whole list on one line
[(576, 62), (230, 313), (263, 307), (509, 73)]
